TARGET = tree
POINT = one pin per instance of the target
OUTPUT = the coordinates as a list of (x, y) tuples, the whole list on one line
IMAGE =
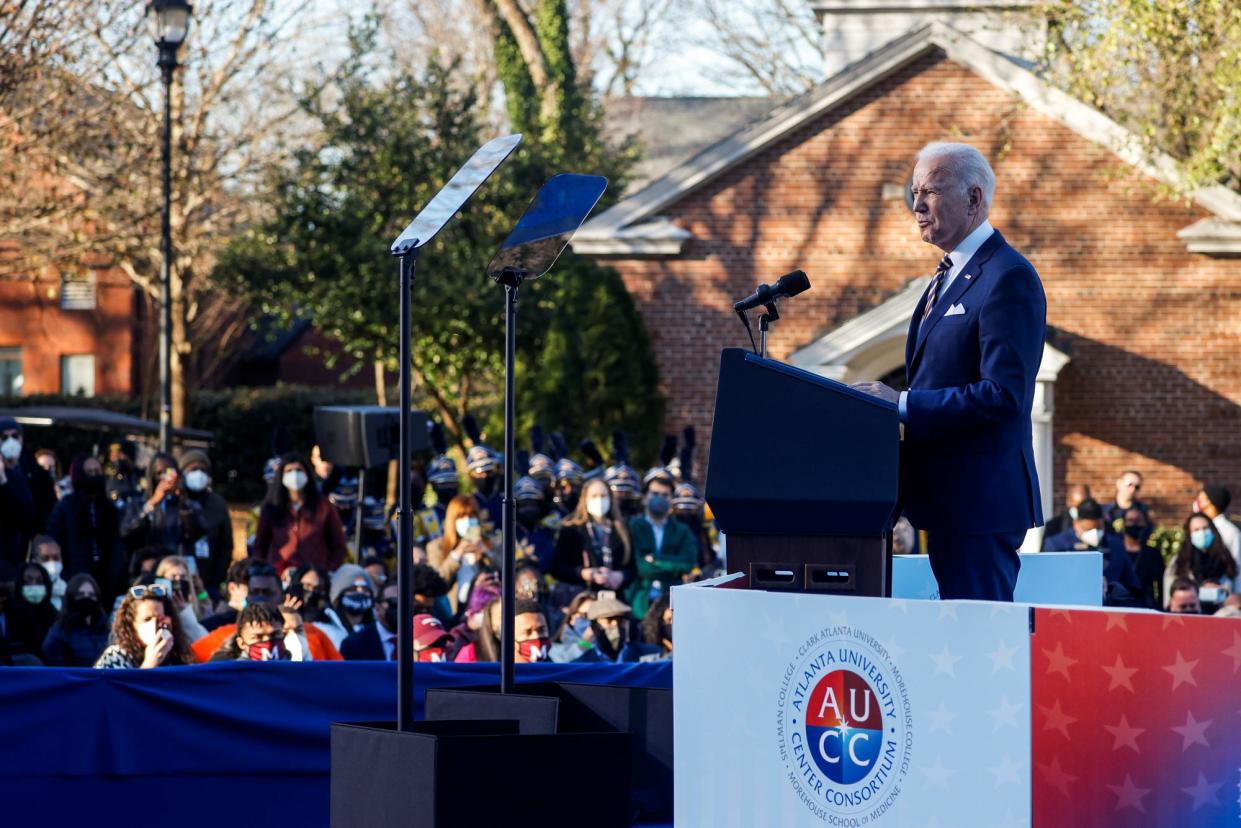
[(1167, 70), (386, 146), (81, 156)]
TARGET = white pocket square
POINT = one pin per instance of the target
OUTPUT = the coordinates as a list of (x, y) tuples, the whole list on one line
[(955, 310)]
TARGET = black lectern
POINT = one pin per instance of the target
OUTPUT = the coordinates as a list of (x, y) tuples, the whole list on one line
[(803, 478)]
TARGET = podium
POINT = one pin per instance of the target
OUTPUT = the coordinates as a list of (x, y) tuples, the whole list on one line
[(803, 478)]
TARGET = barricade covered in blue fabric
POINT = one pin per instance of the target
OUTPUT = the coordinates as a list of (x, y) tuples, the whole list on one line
[(212, 744)]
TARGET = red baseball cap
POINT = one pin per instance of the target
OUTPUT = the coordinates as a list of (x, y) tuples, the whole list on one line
[(428, 631)]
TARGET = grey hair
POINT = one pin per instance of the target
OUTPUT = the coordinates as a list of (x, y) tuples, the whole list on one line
[(968, 165)]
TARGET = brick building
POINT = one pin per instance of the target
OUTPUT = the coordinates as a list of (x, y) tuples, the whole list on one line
[(71, 333), (1142, 366)]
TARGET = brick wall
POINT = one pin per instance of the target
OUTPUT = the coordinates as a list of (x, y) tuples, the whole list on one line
[(31, 318), (1153, 331)]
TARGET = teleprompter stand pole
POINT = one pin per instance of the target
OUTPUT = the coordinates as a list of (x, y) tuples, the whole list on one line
[(405, 515), (511, 279)]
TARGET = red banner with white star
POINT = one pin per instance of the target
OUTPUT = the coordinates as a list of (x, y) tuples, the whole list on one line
[(1136, 719)]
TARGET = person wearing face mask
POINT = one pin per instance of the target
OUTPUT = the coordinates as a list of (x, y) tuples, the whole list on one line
[(430, 639), (1147, 562), (50, 463), (209, 529), (30, 613), (593, 549), (535, 542), (1088, 533), (663, 549), (1073, 497), (16, 455), (463, 549), (376, 641), (296, 524), (443, 479), (574, 636), (146, 632), (258, 636), (1202, 558), (17, 511), (568, 486), (264, 587), (45, 551), (86, 524), (611, 621), (81, 630), (353, 597), (1213, 501), (316, 606)]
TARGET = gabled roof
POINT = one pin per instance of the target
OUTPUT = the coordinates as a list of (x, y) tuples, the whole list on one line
[(638, 216)]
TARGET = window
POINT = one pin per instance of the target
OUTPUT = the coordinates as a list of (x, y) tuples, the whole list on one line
[(11, 379), (77, 291), (77, 374)]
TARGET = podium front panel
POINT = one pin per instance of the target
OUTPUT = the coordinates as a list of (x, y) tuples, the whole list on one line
[(810, 710)]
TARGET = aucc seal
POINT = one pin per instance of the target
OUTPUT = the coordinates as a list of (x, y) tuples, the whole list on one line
[(844, 726)]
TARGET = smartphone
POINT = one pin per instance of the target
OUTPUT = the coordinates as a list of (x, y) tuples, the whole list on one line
[(1212, 594), (296, 589), (166, 584), (474, 534), (170, 474)]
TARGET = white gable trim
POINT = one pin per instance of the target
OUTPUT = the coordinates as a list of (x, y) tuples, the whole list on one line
[(998, 70), (1213, 237), (873, 343)]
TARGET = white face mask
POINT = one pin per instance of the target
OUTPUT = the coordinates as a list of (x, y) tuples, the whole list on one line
[(11, 448), (148, 632), (197, 480), (54, 568), (599, 506), (1092, 537), (294, 480)]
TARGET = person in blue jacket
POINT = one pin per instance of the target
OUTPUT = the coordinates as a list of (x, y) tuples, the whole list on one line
[(972, 352)]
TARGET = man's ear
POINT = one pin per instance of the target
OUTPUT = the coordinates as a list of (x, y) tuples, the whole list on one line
[(975, 199)]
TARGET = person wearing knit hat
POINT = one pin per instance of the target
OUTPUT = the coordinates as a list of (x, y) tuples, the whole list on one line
[(353, 597), (1213, 501), (209, 529)]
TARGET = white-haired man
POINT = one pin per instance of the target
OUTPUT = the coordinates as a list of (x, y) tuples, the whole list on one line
[(971, 357)]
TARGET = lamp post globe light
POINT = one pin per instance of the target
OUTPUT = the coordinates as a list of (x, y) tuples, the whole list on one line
[(170, 21)]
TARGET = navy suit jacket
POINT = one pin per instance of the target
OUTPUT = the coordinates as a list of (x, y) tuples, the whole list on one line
[(363, 645), (968, 454)]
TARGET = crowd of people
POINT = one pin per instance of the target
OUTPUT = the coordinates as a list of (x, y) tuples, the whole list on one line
[(117, 567), (1198, 575)]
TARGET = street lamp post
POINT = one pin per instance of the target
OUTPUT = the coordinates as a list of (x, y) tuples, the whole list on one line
[(170, 20)]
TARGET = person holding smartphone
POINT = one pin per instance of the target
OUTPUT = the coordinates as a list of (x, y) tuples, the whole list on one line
[(146, 632), (463, 550), (157, 521)]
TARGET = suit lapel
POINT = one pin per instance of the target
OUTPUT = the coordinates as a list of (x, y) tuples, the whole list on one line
[(965, 280)]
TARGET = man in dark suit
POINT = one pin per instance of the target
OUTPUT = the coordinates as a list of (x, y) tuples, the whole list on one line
[(377, 640), (973, 350)]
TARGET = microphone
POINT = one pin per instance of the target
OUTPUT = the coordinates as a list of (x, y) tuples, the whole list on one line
[(790, 284)]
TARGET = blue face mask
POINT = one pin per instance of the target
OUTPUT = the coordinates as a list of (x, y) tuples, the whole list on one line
[(1202, 538)]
